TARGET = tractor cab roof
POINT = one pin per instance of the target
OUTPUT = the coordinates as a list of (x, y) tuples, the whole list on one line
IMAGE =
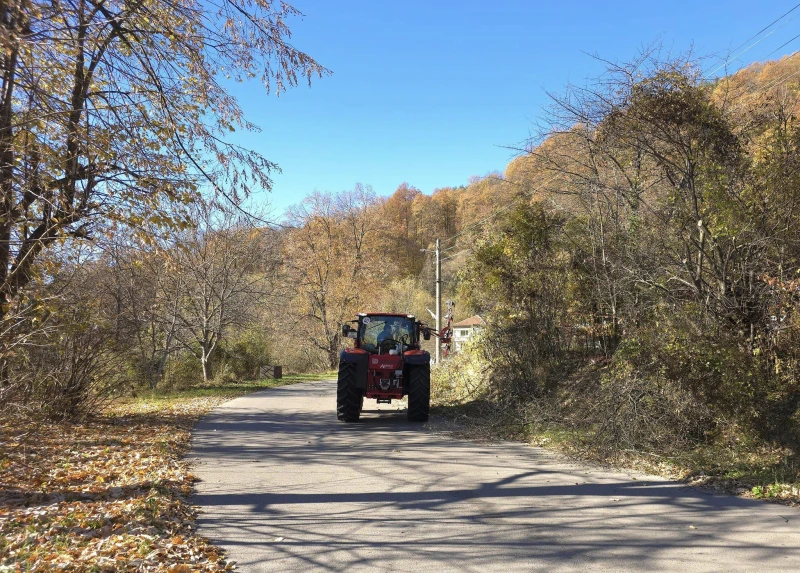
[(401, 315)]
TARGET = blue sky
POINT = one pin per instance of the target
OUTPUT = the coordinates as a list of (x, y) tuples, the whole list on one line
[(433, 92)]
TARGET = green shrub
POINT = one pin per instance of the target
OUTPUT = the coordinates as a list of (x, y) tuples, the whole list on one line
[(225, 375), (244, 353), (183, 371), (702, 378)]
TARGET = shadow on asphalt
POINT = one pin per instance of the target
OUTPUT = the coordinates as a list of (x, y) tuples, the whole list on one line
[(444, 506)]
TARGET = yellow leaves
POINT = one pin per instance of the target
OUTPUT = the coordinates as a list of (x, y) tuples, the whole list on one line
[(108, 494)]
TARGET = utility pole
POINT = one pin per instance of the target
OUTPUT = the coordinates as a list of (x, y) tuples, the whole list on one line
[(438, 316), (438, 301)]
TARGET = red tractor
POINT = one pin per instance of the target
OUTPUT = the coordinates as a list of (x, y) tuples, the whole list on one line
[(385, 363)]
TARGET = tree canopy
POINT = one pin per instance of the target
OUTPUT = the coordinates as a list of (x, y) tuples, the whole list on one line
[(115, 113)]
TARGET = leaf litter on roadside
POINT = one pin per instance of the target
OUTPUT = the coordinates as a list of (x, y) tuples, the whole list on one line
[(106, 494)]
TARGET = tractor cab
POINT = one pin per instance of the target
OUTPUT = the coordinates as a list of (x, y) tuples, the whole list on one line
[(388, 333)]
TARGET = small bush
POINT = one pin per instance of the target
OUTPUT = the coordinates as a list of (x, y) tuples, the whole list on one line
[(70, 370), (183, 371), (244, 353), (225, 375)]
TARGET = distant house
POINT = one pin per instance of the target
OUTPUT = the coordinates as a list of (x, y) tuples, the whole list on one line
[(463, 330)]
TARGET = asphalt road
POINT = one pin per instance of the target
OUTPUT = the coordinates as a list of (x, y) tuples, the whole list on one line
[(286, 487)]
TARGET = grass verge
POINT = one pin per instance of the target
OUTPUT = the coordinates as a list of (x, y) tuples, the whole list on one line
[(109, 493), (736, 465), (157, 398)]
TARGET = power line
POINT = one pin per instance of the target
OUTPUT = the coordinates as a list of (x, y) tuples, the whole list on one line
[(517, 199), (781, 46), (488, 218), (796, 6), (477, 223), (766, 89), (765, 28), (780, 81), (747, 49), (456, 255)]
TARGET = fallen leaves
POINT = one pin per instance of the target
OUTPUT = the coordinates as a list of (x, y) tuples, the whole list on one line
[(109, 494)]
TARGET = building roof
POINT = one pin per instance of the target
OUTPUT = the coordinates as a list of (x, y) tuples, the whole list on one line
[(469, 322)]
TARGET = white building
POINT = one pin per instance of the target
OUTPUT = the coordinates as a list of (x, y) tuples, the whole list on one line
[(463, 330)]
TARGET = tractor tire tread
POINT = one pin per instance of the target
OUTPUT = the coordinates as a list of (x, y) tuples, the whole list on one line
[(419, 393), (349, 399)]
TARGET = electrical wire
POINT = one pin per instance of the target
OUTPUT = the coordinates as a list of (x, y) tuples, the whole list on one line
[(485, 219), (796, 6), (780, 81), (782, 46), (516, 200), (765, 28), (454, 256)]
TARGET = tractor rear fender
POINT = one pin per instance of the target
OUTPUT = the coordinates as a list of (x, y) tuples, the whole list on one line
[(361, 359), (417, 357)]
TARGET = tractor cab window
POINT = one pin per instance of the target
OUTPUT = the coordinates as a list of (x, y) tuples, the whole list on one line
[(385, 332)]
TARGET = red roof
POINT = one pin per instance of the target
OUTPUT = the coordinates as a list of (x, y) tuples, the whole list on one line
[(469, 322)]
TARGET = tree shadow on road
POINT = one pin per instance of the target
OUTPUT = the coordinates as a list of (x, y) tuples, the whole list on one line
[(323, 495)]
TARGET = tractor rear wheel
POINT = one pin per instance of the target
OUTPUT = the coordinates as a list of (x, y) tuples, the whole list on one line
[(419, 393), (349, 399)]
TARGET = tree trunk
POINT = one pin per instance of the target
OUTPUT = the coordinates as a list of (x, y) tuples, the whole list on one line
[(333, 357), (162, 361), (208, 375)]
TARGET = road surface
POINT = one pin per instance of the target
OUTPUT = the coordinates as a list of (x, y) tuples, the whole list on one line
[(286, 487)]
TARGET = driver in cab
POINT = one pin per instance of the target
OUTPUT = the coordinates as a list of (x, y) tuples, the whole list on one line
[(390, 330)]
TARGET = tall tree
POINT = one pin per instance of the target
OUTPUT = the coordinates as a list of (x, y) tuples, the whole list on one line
[(113, 112), (332, 252), (140, 281), (222, 270), (401, 232)]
